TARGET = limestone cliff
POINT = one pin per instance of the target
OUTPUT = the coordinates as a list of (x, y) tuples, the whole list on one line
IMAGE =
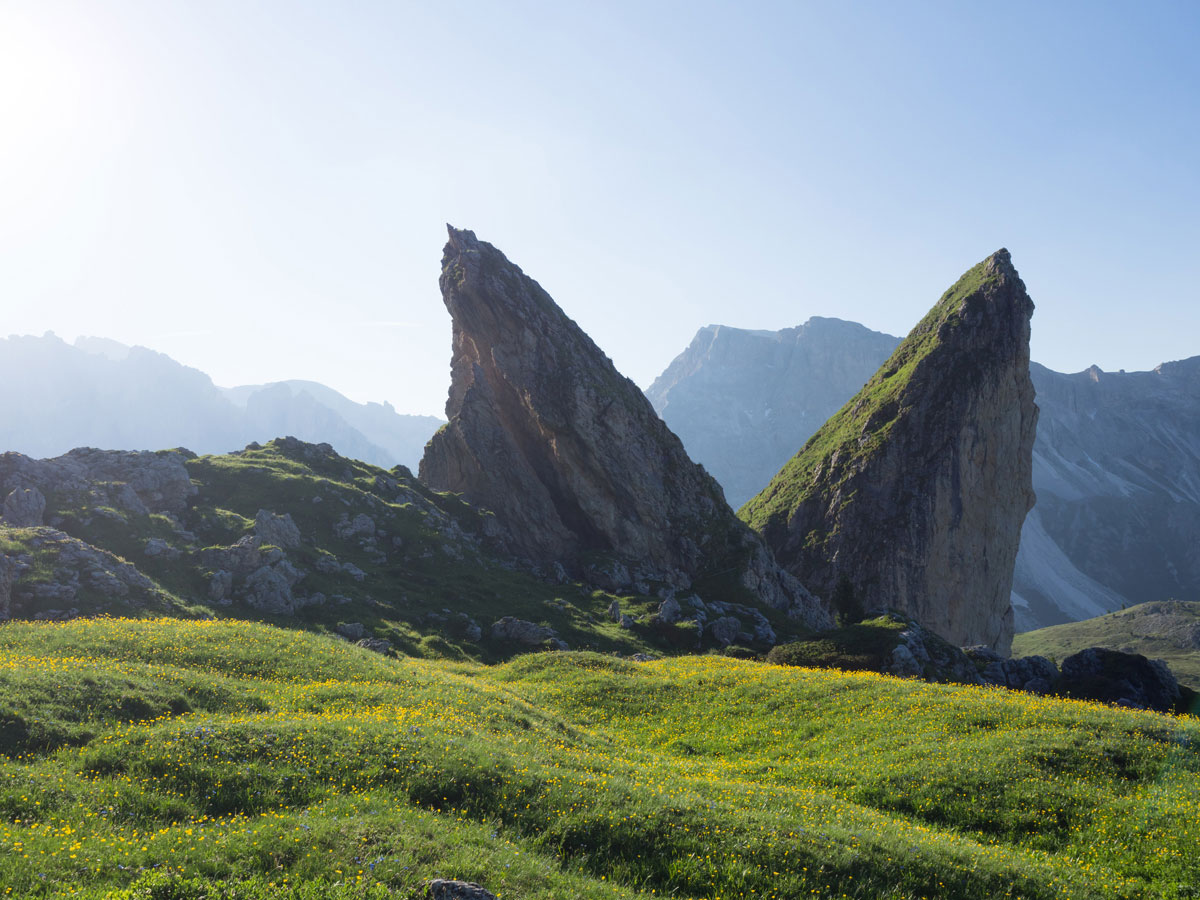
[(570, 455), (915, 491)]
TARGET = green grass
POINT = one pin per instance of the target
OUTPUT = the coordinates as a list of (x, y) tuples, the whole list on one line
[(1167, 630), (261, 755), (860, 428)]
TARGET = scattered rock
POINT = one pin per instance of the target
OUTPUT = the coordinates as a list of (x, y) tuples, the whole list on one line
[(220, 586), (614, 611), (520, 631), (1126, 679), (269, 588), (328, 563), (354, 631), (444, 889), (361, 525), (725, 630), (375, 645), (272, 528), (24, 508), (669, 611)]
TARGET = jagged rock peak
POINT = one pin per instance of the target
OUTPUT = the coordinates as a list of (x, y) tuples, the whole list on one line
[(569, 454), (914, 493)]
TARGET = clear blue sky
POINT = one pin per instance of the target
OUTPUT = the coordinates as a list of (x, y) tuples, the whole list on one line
[(259, 188)]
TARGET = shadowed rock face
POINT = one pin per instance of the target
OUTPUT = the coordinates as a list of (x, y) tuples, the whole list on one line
[(568, 453), (915, 491)]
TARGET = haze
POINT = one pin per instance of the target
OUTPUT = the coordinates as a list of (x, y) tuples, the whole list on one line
[(260, 190)]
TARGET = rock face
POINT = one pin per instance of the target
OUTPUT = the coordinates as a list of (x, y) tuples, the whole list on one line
[(915, 491), (1116, 462), (1116, 468), (24, 507), (568, 453), (744, 401)]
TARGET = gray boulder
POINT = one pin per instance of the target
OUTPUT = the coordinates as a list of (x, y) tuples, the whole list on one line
[(520, 631), (354, 631), (276, 529), (361, 525), (1126, 679), (669, 611), (444, 889), (220, 586), (269, 588), (725, 630), (375, 645), (24, 508)]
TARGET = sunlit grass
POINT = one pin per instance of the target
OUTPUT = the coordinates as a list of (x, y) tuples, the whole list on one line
[(259, 755)]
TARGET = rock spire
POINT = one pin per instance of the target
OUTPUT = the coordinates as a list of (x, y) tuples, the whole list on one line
[(912, 496), (569, 454)]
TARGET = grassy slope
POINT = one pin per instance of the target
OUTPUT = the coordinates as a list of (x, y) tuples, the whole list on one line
[(262, 755), (1168, 630), (860, 427)]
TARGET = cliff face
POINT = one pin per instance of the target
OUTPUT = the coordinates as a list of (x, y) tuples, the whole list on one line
[(1117, 474), (916, 490), (742, 401), (569, 454)]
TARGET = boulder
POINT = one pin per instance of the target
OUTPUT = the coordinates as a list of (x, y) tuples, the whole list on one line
[(269, 588), (445, 889), (669, 611), (354, 631), (725, 630), (276, 529), (1126, 679), (375, 645), (520, 631), (24, 508), (220, 586)]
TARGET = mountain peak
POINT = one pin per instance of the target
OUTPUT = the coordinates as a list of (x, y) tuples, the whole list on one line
[(915, 491), (569, 454)]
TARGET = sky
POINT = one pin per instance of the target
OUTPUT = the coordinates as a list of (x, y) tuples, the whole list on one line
[(260, 189)]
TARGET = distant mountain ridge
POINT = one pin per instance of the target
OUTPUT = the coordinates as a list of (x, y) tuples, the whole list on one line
[(1116, 463), (743, 402), (99, 392)]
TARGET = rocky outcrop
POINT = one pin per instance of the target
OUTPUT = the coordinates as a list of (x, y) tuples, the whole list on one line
[(24, 508), (448, 889), (1126, 679), (521, 631), (914, 493), (280, 530), (255, 572), (744, 401), (59, 572), (569, 454), (136, 482)]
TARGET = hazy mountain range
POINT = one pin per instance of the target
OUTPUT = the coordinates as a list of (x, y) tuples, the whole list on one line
[(1116, 460), (101, 393)]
